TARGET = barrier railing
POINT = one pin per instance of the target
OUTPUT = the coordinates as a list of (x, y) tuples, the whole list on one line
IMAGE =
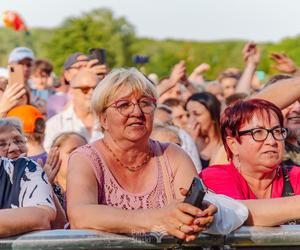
[(283, 237)]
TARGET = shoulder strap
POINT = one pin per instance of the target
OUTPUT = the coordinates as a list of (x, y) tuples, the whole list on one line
[(166, 179), (287, 186), (288, 190)]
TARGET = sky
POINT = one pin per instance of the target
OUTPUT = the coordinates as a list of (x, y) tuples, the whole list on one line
[(202, 20)]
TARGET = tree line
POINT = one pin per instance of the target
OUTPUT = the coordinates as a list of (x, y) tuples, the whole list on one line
[(100, 28)]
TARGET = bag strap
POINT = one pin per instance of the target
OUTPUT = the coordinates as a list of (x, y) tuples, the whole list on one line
[(163, 167), (287, 186), (288, 190)]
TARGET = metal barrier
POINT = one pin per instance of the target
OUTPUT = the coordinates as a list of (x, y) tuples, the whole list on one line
[(283, 237)]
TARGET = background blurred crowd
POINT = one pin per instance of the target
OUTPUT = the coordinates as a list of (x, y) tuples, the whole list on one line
[(46, 117)]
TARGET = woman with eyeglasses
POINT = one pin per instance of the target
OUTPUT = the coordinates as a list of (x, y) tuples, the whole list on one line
[(253, 136), (129, 183)]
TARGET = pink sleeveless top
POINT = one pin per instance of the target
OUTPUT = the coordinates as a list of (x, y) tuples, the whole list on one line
[(112, 194)]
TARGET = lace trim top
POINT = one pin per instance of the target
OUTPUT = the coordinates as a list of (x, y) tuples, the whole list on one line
[(111, 193)]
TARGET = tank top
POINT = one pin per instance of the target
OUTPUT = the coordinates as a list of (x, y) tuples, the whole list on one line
[(112, 194)]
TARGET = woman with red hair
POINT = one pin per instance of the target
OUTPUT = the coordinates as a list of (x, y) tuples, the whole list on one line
[(253, 136)]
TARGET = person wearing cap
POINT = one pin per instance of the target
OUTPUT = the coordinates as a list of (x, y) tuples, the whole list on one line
[(72, 65), (34, 129), (78, 61), (78, 116), (24, 56)]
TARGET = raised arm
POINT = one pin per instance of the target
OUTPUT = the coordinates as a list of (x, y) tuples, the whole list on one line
[(282, 93), (284, 64), (251, 56)]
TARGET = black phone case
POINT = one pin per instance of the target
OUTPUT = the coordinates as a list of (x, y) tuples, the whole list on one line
[(196, 193), (99, 54)]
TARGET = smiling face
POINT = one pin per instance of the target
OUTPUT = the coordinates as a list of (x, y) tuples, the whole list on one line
[(256, 156), (15, 140), (135, 126)]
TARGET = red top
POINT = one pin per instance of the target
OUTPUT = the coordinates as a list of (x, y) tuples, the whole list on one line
[(226, 179)]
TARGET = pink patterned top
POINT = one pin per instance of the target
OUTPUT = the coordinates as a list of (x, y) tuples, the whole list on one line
[(111, 193)]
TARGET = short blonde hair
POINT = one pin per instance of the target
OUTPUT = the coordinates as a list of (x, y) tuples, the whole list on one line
[(117, 78)]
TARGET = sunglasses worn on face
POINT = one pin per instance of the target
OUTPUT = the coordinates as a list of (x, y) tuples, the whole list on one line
[(85, 90)]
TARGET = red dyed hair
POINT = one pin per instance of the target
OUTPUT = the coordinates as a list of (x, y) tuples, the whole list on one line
[(241, 112)]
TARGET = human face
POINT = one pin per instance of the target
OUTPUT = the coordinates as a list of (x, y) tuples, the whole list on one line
[(198, 114), (228, 85), (174, 92), (135, 126), (16, 143), (40, 79), (82, 90), (81, 63), (27, 64), (66, 148), (292, 119), (263, 156), (179, 115)]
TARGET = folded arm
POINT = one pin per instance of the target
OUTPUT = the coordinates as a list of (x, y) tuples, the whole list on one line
[(19, 220)]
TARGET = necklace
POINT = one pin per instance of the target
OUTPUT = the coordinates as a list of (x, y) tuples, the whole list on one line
[(130, 168)]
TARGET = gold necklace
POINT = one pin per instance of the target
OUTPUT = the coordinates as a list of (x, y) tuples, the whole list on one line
[(132, 169)]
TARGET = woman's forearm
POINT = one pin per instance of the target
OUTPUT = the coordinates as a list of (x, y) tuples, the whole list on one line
[(272, 212), (110, 219), (20, 220)]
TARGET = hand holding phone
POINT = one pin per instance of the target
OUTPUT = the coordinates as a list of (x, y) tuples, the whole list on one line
[(99, 54), (16, 74), (196, 193)]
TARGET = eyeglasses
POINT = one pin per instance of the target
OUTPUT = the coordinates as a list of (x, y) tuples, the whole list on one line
[(20, 142), (125, 107), (261, 134), (85, 90)]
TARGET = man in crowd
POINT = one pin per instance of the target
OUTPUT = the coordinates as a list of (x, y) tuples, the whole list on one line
[(23, 56), (78, 117)]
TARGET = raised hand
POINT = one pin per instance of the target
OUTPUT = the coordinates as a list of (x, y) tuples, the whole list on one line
[(283, 63), (196, 75), (11, 97), (98, 69), (52, 164), (251, 54), (178, 73)]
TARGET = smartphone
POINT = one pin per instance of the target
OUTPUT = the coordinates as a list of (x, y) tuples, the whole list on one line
[(196, 193), (98, 53), (139, 59), (16, 74)]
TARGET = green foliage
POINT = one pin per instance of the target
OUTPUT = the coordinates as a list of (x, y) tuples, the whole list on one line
[(100, 28), (96, 29)]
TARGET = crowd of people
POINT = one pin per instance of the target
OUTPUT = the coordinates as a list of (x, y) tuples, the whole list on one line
[(82, 150)]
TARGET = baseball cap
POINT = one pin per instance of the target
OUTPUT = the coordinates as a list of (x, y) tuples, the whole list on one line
[(20, 53), (29, 115), (72, 59)]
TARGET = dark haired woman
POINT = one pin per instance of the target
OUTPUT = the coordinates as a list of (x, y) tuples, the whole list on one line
[(204, 122)]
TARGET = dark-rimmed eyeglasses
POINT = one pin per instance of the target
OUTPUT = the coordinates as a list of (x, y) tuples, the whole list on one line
[(125, 107), (261, 134)]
